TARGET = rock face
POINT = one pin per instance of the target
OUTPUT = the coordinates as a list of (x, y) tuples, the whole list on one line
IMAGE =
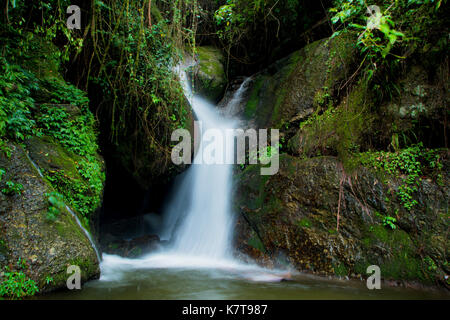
[(423, 99), (317, 216), (291, 89), (295, 218), (209, 76), (47, 247)]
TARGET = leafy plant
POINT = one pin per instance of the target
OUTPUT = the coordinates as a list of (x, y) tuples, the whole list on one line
[(408, 164), (56, 206), (16, 284), (387, 221), (431, 265), (12, 188), (390, 222), (386, 31), (15, 101)]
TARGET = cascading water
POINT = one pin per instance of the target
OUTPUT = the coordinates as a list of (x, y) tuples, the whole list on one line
[(205, 230), (198, 221)]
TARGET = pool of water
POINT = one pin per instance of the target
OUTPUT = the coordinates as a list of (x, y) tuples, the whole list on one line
[(160, 277)]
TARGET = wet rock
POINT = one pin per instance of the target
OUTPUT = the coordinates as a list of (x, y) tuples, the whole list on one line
[(294, 214), (209, 76), (132, 248)]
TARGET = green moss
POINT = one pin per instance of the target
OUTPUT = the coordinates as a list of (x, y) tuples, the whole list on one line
[(67, 225), (87, 266), (337, 131), (304, 223), (288, 71), (276, 116), (78, 178), (340, 269), (256, 243), (360, 266), (210, 60), (45, 59), (256, 184), (210, 74), (3, 248), (253, 101), (404, 263)]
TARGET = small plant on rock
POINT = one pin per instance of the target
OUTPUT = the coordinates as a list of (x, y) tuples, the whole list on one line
[(56, 205), (16, 284), (12, 188)]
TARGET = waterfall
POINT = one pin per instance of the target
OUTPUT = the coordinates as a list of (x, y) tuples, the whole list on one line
[(198, 220), (88, 235), (202, 200)]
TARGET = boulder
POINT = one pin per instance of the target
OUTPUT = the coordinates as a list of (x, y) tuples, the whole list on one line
[(210, 79), (316, 217), (338, 130), (293, 88), (46, 247)]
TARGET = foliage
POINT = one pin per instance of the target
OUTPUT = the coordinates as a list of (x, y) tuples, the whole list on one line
[(12, 188), (46, 19), (386, 30), (36, 101), (83, 197), (16, 284), (15, 101), (431, 265), (49, 279), (409, 165), (129, 66), (134, 71), (337, 130), (388, 221), (56, 206), (65, 116), (74, 133)]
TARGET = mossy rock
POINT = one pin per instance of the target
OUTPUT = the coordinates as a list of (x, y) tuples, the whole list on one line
[(209, 75), (294, 214), (63, 171), (337, 130), (293, 88), (48, 247)]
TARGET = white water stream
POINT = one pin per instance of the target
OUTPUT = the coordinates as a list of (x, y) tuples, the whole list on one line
[(205, 229)]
